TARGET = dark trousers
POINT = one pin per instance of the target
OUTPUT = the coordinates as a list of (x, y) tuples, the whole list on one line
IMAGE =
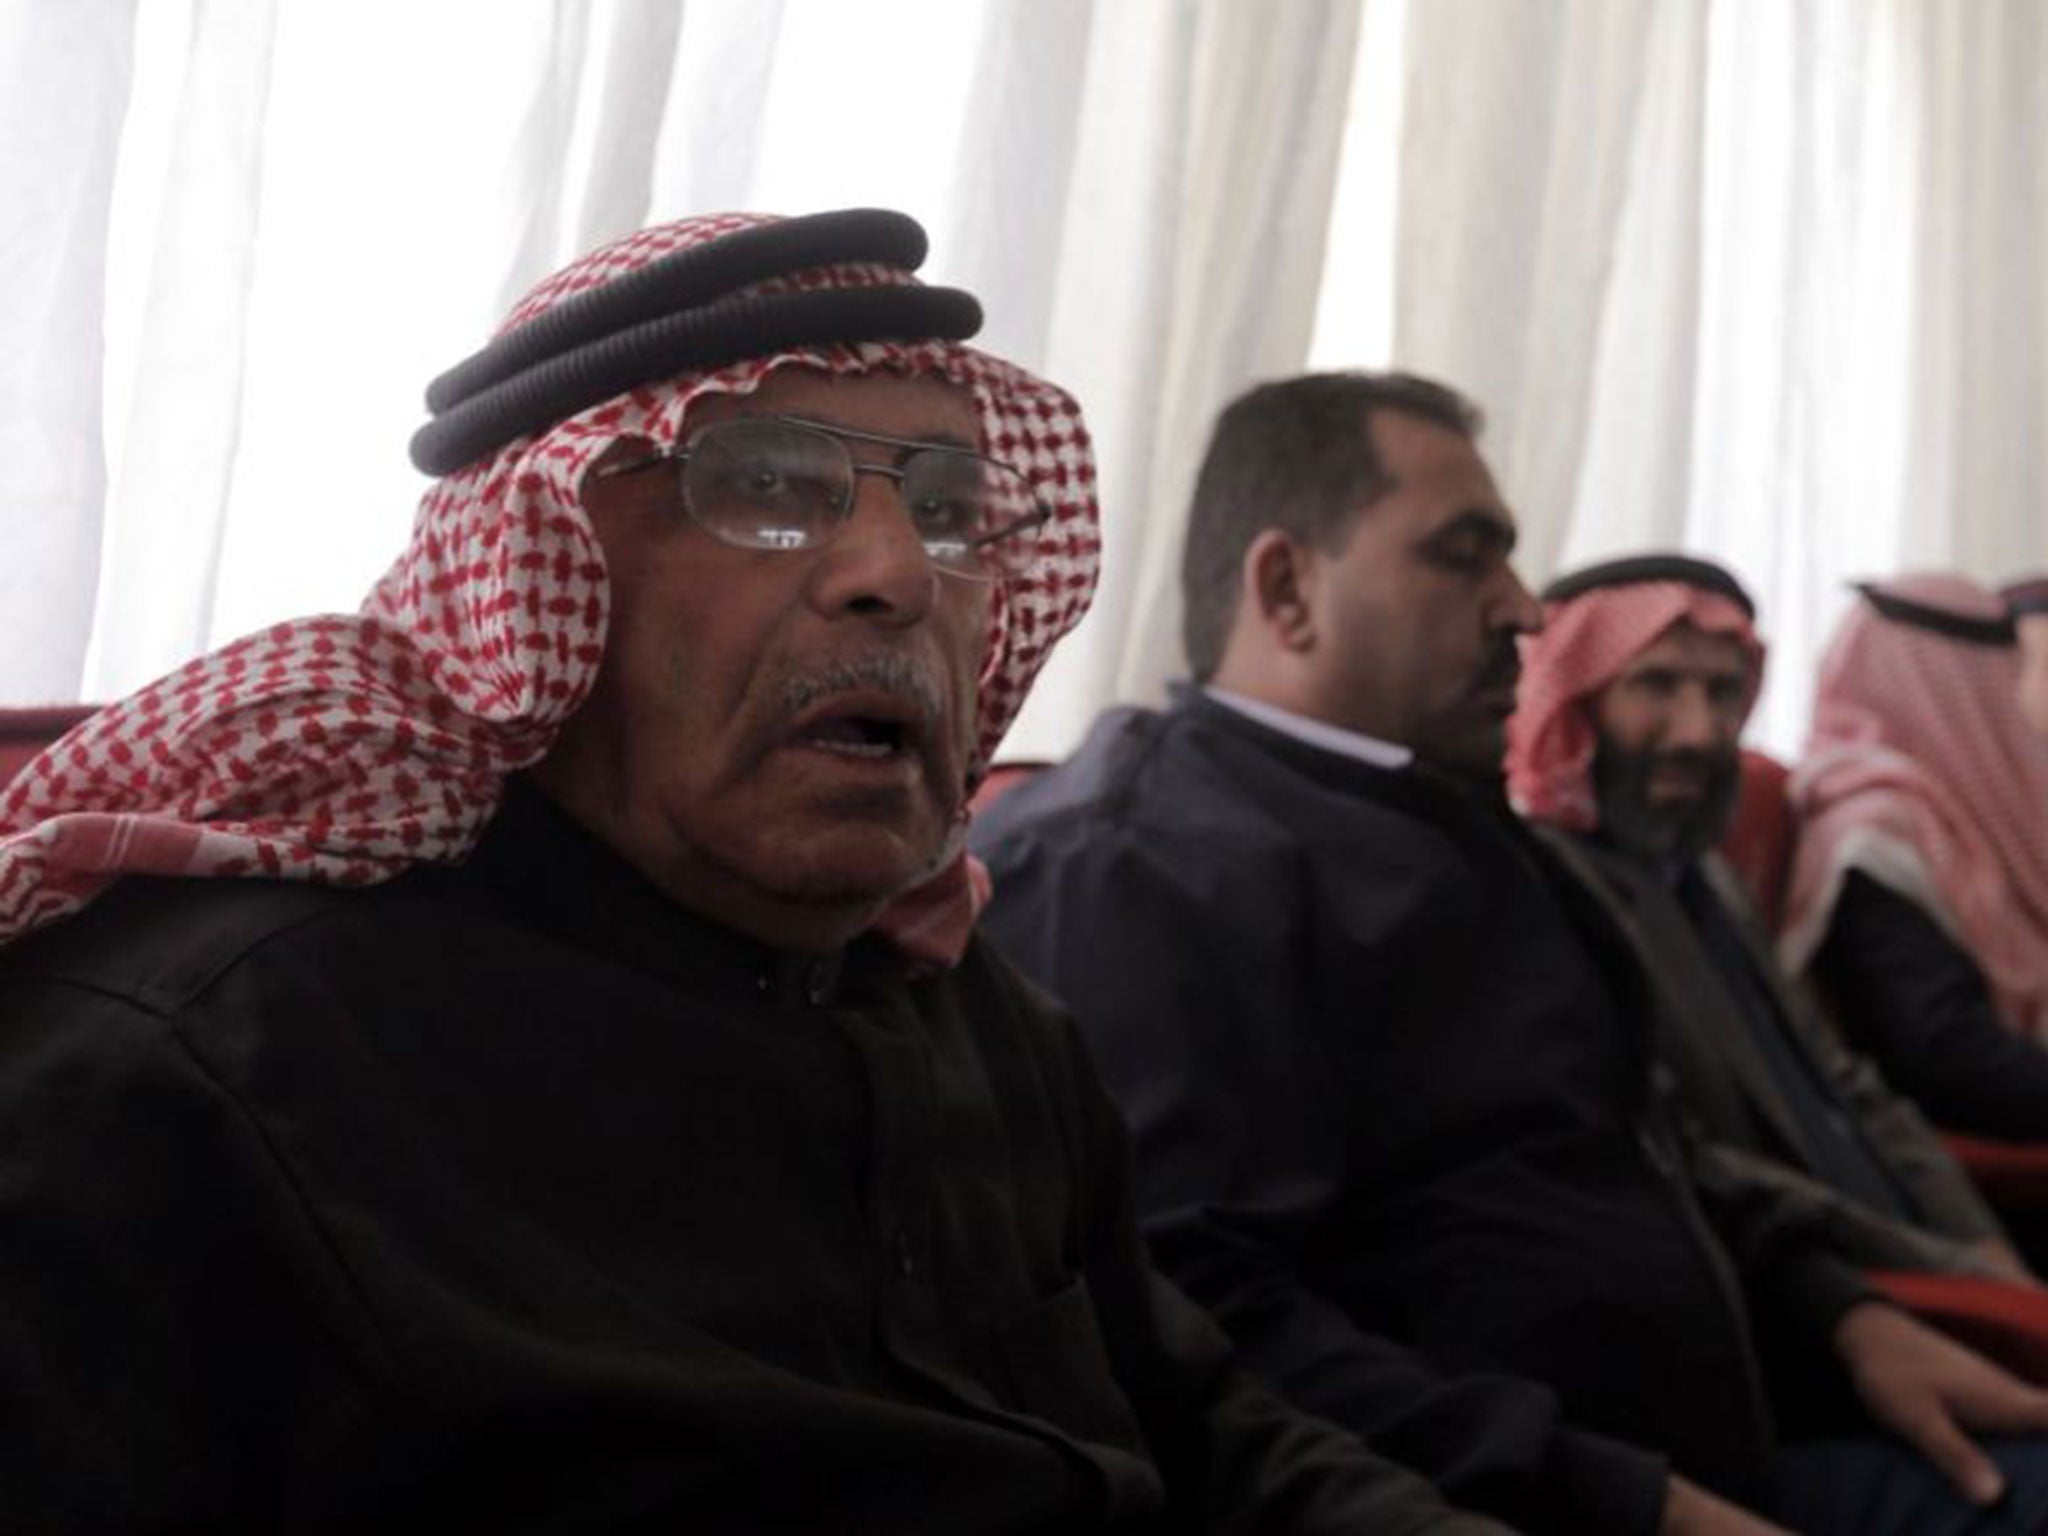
[(1884, 1488)]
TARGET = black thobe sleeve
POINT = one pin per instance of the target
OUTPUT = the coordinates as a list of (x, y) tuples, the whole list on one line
[(1233, 1454), (1910, 996), (1178, 976), (1788, 1251), (177, 1350)]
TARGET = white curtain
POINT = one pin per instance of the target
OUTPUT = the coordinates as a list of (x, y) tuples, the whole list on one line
[(64, 84), (1758, 278)]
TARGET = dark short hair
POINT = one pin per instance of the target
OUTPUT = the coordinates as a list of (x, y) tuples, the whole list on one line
[(1294, 455)]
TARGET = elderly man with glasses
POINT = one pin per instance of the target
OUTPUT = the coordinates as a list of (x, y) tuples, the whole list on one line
[(516, 1058)]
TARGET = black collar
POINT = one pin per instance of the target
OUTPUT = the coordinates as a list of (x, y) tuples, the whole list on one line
[(538, 867)]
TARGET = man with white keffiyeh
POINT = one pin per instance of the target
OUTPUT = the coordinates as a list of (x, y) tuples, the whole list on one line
[(518, 1057), (1918, 892)]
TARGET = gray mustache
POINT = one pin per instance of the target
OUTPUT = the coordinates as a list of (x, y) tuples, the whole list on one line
[(879, 671)]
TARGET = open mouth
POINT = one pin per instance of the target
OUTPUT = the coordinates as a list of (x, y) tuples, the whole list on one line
[(869, 726), (863, 736), (1678, 783)]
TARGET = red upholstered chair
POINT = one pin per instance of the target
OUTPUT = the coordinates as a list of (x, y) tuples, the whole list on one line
[(1759, 838), (2002, 1321), (25, 732), (2013, 1175)]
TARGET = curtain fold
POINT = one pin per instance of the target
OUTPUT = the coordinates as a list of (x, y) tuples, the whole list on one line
[(1268, 93), (708, 141), (1981, 248), (537, 171), (1759, 280), (1006, 213), (167, 508), (64, 88), (1108, 324), (1516, 168), (631, 100)]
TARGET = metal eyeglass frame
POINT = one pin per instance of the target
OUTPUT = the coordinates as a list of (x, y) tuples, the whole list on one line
[(1036, 518)]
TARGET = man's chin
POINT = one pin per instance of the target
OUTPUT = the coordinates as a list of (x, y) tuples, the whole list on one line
[(1664, 833), (825, 857), (1476, 755), (848, 865)]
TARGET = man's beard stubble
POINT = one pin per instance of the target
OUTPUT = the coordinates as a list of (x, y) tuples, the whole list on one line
[(1480, 766), (1680, 832)]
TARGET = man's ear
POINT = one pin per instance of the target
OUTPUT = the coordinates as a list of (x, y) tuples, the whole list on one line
[(1279, 589)]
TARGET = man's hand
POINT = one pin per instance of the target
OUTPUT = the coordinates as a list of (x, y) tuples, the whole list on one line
[(1931, 1390), (2001, 1262), (1689, 1510)]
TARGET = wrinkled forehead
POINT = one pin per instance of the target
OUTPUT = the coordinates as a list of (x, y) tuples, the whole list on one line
[(917, 389), (910, 384), (923, 408)]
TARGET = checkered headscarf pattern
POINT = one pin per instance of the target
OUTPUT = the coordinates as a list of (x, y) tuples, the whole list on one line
[(1587, 642), (1921, 772), (345, 748)]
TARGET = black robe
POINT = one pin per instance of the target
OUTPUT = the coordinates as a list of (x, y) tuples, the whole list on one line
[(1392, 1098), (511, 1198), (1912, 999)]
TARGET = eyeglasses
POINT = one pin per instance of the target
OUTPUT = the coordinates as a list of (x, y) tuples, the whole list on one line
[(784, 483)]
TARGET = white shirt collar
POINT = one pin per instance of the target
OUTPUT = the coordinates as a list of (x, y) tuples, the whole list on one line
[(1317, 733)]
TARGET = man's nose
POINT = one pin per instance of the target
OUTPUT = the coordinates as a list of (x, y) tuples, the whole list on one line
[(875, 564), (1694, 723), (1517, 609)]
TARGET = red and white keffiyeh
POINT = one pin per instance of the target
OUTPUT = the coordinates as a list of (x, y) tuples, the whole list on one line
[(1587, 641), (1921, 772), (346, 748)]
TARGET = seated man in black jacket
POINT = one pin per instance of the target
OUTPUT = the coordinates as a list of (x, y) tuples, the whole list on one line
[(1388, 1071), (533, 1105), (1626, 752)]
